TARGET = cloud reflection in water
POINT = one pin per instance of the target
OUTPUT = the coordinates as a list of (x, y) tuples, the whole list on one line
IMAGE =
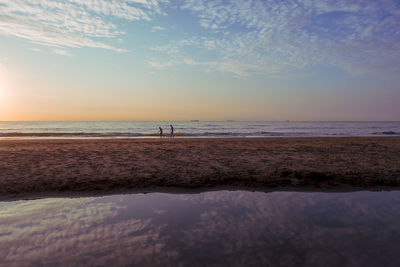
[(212, 228)]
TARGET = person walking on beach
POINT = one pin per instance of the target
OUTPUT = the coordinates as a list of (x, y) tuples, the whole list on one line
[(172, 130), (160, 131)]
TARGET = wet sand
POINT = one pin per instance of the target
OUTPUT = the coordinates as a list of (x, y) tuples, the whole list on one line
[(36, 168)]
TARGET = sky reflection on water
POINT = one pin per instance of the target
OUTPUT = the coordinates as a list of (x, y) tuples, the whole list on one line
[(214, 228)]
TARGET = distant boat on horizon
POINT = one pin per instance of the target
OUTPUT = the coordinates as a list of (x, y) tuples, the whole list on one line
[(194, 120)]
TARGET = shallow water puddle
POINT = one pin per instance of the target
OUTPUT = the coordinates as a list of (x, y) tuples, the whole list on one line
[(239, 228)]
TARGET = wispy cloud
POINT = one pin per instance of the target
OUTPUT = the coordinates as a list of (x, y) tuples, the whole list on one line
[(160, 65), (71, 23), (245, 38), (61, 52), (157, 28), (266, 37)]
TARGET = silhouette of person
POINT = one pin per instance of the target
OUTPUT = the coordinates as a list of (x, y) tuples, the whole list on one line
[(172, 130), (160, 131)]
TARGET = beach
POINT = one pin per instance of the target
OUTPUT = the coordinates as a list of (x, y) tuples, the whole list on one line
[(35, 168)]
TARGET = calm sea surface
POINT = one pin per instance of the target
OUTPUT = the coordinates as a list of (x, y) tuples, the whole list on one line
[(194, 129), (220, 228)]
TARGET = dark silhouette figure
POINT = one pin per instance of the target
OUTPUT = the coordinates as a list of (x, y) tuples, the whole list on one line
[(161, 134), (172, 130)]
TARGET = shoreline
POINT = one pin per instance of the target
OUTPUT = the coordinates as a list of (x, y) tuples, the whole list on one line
[(189, 191), (39, 168), (43, 136)]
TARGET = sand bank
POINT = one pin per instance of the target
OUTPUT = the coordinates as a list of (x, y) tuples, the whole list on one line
[(29, 168)]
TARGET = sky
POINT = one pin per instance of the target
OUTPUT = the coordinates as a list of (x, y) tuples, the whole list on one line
[(197, 59)]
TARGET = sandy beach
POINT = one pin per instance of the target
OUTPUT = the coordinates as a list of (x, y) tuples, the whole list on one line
[(35, 168)]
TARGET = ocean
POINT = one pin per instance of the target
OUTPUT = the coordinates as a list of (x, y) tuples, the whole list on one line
[(145, 129)]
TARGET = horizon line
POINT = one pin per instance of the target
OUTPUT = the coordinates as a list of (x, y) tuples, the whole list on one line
[(196, 120)]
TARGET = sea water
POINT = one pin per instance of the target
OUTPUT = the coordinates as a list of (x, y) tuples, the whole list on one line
[(135, 129)]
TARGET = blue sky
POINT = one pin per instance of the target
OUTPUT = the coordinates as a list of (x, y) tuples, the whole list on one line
[(160, 59)]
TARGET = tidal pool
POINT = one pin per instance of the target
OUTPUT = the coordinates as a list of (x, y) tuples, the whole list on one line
[(236, 228)]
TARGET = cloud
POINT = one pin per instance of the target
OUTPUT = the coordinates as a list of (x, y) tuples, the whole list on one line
[(61, 52), (157, 28), (160, 65), (245, 38), (71, 23), (267, 37)]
